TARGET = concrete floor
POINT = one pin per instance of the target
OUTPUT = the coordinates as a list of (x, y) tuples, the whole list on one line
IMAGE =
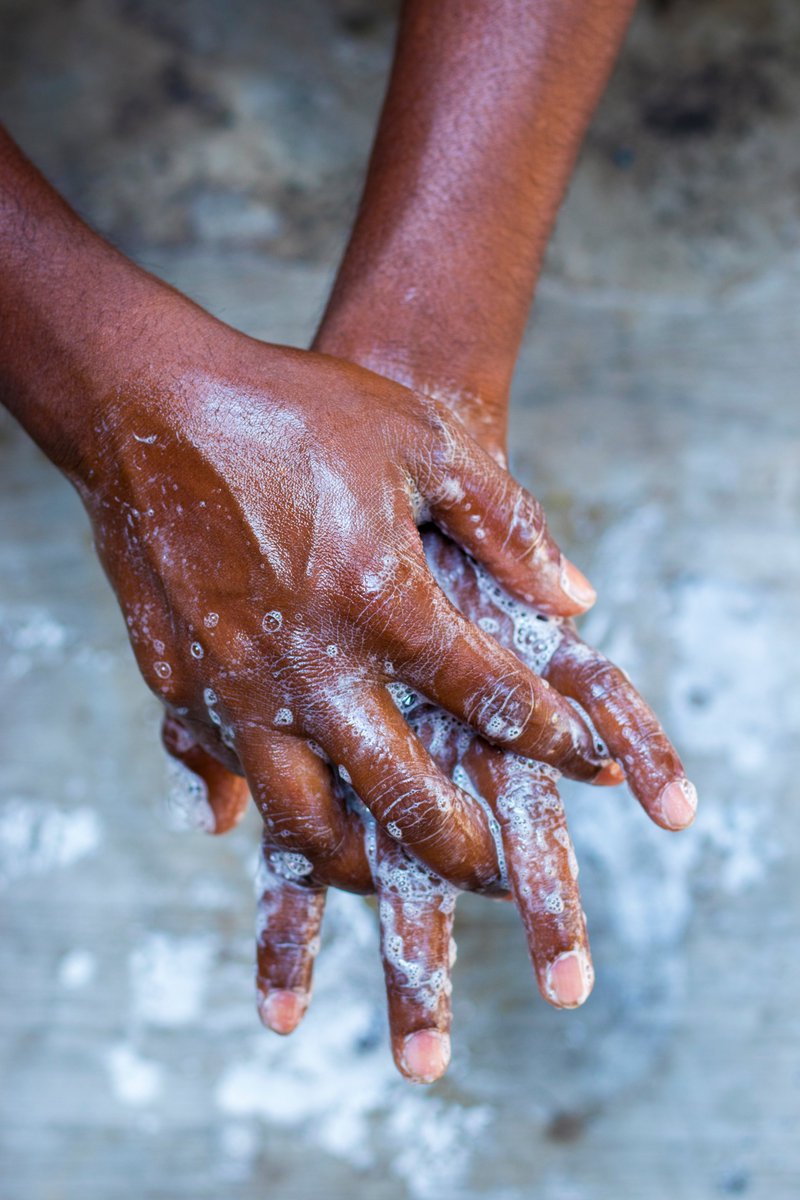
[(655, 415)]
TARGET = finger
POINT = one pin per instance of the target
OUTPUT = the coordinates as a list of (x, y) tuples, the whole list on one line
[(629, 727), (293, 788), (289, 916), (446, 740), (488, 513), (485, 605), (468, 673), (364, 734), (542, 870), (203, 794), (416, 910)]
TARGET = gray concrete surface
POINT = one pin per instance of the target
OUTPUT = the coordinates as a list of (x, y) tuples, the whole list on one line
[(656, 415)]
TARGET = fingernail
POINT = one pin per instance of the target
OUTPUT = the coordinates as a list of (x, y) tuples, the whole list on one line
[(609, 775), (281, 1010), (570, 979), (426, 1055), (678, 803), (575, 584)]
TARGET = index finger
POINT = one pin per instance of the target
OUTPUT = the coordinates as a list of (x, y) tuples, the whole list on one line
[(483, 508)]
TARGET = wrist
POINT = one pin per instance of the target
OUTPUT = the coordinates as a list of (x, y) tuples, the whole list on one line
[(63, 360), (481, 406), (76, 317)]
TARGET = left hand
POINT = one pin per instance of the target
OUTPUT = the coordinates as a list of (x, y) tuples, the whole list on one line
[(415, 906)]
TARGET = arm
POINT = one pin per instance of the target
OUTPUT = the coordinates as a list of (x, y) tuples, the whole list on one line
[(486, 109), (71, 307)]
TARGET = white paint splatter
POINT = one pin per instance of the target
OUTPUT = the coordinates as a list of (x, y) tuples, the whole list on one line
[(36, 838), (168, 979), (134, 1080), (76, 969)]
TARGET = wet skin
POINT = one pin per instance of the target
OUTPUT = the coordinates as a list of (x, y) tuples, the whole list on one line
[(478, 136), (256, 510), (271, 649)]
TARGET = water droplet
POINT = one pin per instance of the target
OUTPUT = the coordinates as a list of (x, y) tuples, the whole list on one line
[(163, 670), (284, 716), (196, 650), (211, 620)]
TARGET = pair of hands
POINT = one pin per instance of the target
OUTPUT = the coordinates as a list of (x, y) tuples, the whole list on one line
[(257, 512)]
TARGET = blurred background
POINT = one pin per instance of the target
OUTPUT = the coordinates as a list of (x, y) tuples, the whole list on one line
[(656, 416)]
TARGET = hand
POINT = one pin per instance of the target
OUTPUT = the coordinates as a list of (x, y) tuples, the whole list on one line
[(415, 906), (255, 511), (257, 522)]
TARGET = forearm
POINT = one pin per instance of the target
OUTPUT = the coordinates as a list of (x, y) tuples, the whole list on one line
[(486, 110), (72, 310)]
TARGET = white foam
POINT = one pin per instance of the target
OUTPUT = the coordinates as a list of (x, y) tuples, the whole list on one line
[(186, 800)]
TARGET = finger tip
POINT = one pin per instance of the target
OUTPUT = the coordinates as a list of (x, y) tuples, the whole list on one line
[(228, 819), (610, 774), (676, 806), (569, 979), (425, 1056), (282, 1010), (576, 588)]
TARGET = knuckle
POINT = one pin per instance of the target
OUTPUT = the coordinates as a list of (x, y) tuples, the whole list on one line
[(505, 711), (441, 434), (417, 804)]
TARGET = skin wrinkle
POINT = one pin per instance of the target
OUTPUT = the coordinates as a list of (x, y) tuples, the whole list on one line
[(493, 709)]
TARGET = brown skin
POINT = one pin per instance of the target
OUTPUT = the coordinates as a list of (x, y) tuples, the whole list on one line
[(435, 287), (482, 123), (486, 109), (256, 511)]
